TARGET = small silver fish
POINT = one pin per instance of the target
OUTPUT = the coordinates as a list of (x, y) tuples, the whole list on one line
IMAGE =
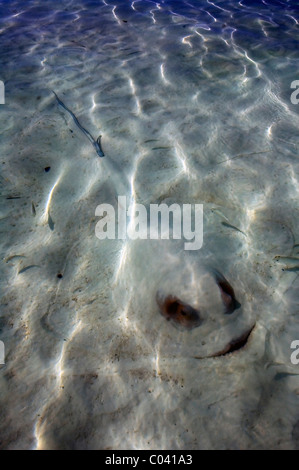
[(225, 224), (23, 270), (33, 208), (291, 260)]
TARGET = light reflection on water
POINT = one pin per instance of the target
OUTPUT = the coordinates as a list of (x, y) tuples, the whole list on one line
[(193, 103)]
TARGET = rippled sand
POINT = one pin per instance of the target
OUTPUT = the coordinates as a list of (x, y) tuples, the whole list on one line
[(192, 100)]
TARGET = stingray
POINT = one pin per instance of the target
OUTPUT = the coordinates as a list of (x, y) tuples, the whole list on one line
[(184, 317), (234, 345), (227, 293), (180, 314)]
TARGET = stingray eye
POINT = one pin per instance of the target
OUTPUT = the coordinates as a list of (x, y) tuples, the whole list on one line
[(173, 307), (183, 312)]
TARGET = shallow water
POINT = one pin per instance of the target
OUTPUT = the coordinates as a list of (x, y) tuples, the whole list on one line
[(193, 102)]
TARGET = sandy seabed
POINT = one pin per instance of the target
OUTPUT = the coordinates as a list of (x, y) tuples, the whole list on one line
[(192, 100)]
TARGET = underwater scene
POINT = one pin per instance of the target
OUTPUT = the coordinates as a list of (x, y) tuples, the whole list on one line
[(149, 224)]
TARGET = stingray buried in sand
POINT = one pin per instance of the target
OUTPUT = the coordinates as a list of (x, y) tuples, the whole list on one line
[(180, 314), (227, 293)]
